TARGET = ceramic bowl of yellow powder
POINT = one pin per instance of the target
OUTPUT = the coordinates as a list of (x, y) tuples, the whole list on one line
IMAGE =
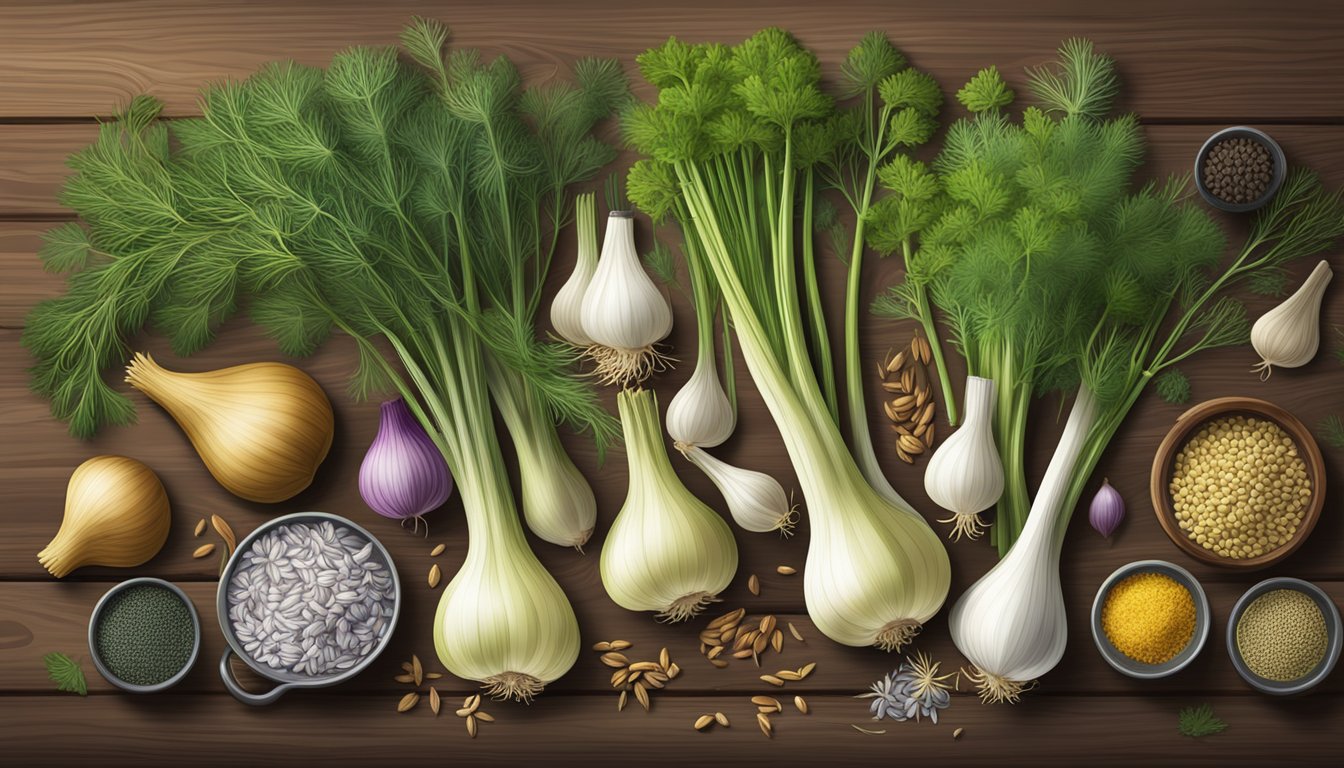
[(1284, 636), (1150, 619)]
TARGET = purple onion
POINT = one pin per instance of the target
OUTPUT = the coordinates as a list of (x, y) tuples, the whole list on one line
[(403, 475), (1107, 509)]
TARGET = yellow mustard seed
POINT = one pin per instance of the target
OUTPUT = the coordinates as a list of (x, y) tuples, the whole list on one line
[(1239, 487), (1149, 617)]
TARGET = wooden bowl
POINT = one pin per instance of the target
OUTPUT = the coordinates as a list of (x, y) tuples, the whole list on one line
[(1186, 425)]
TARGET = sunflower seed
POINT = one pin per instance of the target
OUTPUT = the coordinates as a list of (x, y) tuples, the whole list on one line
[(903, 456), (760, 643), (203, 550), (485, 717), (465, 711), (727, 634), (702, 722), (715, 651), (642, 694), (891, 412), (406, 667), (673, 670), (472, 703), (664, 658), (767, 625), (471, 725), (433, 675), (777, 641), (435, 552), (404, 678), (957, 733), (771, 679), (764, 722), (765, 701), (789, 675), (720, 663), (408, 701), (925, 351), (417, 670), (921, 397), (896, 363), (796, 634), (865, 730), (621, 645), (620, 704), (908, 381), (652, 682), (732, 617), (618, 677), (745, 653), (434, 575), (806, 669), (200, 527), (910, 445), (800, 703), (633, 677), (721, 719), (645, 666), (614, 659), (926, 414), (602, 647), (754, 584), (434, 702), (928, 436), (786, 570), (893, 387)]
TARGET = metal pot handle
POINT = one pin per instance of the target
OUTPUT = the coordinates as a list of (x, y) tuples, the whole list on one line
[(255, 699)]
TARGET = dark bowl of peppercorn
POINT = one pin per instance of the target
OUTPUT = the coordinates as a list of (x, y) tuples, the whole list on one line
[(144, 635), (1239, 169)]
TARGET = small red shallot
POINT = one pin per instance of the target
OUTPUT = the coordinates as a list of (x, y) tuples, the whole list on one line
[(403, 475), (1107, 509)]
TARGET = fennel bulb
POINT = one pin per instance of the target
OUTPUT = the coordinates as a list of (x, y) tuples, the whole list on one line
[(666, 551)]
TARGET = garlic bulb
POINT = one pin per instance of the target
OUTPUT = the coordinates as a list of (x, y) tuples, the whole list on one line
[(700, 414), (567, 308), (965, 475), (1011, 623), (666, 551), (116, 513), (262, 429), (756, 500), (623, 312), (1289, 334)]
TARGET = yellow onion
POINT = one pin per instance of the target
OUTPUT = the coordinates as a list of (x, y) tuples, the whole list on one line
[(262, 429), (116, 513)]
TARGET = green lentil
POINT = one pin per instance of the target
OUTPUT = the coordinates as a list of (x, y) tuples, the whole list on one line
[(145, 635), (1281, 635)]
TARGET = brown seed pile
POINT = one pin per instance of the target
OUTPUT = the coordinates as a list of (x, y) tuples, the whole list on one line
[(1282, 635), (413, 674), (638, 677), (769, 706), (1238, 170), (732, 635), (1239, 488), (472, 714), (226, 535), (905, 379)]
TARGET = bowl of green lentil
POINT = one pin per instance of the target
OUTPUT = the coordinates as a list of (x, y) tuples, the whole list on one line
[(1150, 619), (1284, 636), (1238, 483), (144, 635)]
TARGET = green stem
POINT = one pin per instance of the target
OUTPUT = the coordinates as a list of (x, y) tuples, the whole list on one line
[(821, 338)]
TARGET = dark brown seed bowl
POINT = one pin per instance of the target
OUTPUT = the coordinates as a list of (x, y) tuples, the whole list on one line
[(1190, 422), (1277, 173)]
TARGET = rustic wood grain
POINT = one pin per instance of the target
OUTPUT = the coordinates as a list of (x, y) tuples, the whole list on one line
[(1188, 69), (336, 729), (1208, 59)]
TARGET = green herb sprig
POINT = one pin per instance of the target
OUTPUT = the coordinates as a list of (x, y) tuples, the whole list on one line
[(66, 673), (1331, 430), (1197, 722), (1173, 387)]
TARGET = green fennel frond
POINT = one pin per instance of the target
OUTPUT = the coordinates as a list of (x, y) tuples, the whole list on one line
[(1270, 281), (1331, 430), (985, 92), (1196, 722), (1173, 387), (869, 63), (1083, 82)]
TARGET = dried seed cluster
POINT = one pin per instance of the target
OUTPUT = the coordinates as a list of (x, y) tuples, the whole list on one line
[(225, 534), (1239, 488), (638, 677), (768, 706), (1282, 635), (905, 378), (413, 673), (731, 635), (1238, 170)]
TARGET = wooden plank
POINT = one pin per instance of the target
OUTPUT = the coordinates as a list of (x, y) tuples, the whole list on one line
[(55, 617), (1240, 60), (346, 730)]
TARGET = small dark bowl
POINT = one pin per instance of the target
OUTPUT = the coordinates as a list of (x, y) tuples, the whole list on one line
[(97, 616), (1277, 173), (1332, 644)]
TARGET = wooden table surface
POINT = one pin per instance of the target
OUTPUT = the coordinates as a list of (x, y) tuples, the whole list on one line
[(1188, 69)]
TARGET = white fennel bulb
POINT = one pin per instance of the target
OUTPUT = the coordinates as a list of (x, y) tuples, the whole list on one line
[(1011, 624), (567, 308), (623, 312), (756, 500), (1290, 334), (965, 475), (666, 552)]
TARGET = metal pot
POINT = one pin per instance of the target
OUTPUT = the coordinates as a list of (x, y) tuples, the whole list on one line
[(287, 680)]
